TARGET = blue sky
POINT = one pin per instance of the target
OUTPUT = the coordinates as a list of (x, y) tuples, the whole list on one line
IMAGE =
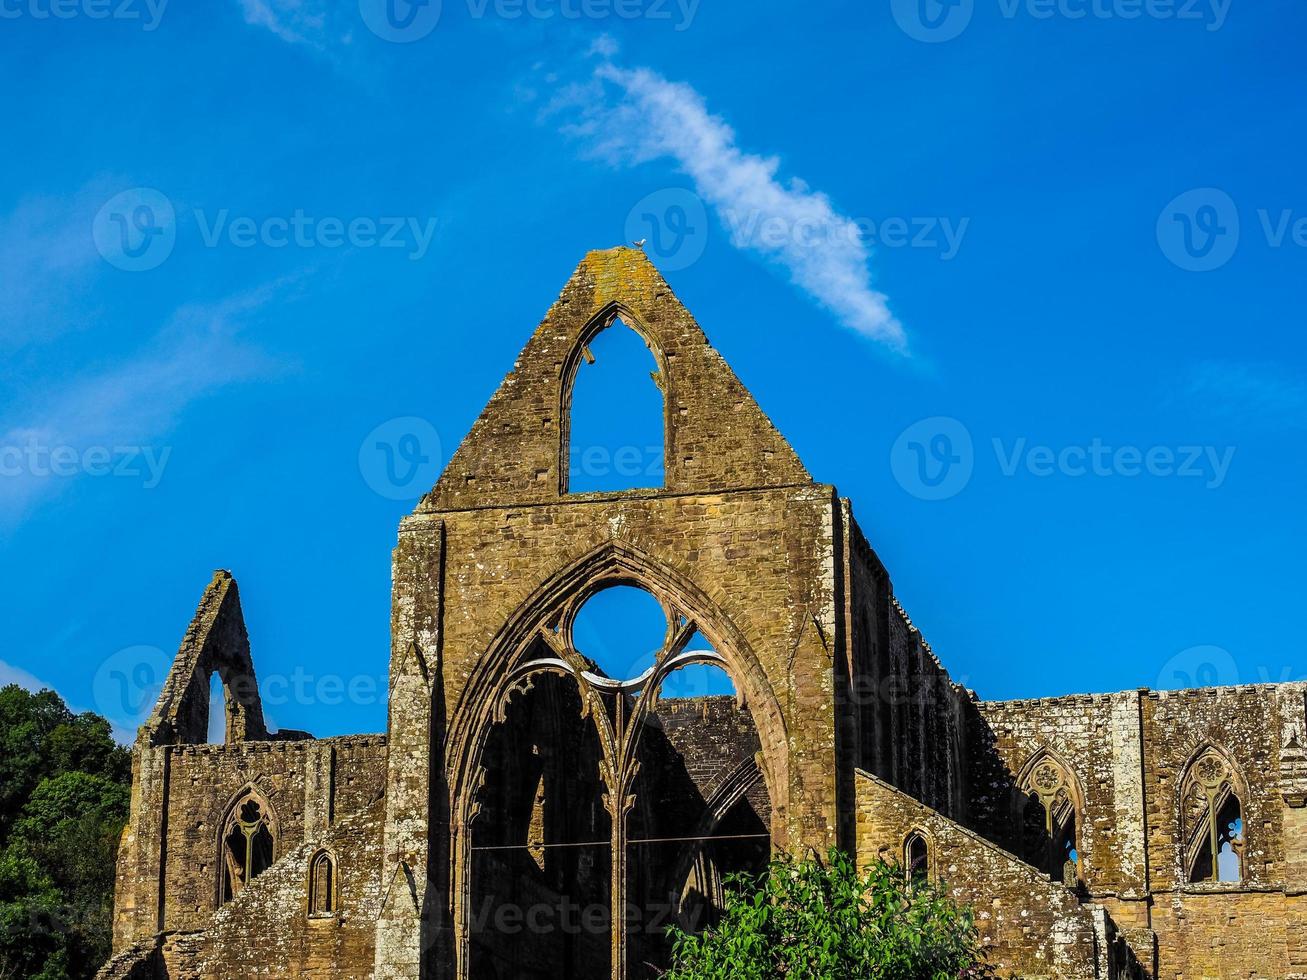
[(1022, 278)]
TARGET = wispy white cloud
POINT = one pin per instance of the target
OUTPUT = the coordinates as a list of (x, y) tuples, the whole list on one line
[(315, 23), (134, 403), (632, 116), (1251, 394), (46, 257)]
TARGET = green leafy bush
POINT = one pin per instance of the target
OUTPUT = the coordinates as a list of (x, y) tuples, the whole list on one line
[(825, 920)]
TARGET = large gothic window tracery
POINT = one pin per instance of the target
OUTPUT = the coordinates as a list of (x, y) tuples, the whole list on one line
[(1050, 817), (1212, 825), (248, 843), (602, 799)]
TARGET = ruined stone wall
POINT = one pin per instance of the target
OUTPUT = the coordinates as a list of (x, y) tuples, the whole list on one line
[(712, 738), (1031, 927), (773, 570), (1097, 738), (188, 789), (910, 718), (716, 436), (267, 930), (761, 558), (739, 534), (1130, 753), (754, 568), (1232, 935), (1257, 927)]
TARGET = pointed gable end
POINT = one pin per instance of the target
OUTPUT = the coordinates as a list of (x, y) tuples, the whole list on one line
[(716, 437), (215, 643)]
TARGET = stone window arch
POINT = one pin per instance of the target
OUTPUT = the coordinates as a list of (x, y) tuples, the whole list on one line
[(1212, 826), (622, 438), (918, 854), (615, 705), (1051, 812), (247, 843), (323, 886)]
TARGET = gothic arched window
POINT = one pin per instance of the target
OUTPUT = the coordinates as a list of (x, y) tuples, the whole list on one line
[(322, 885), (600, 784), (916, 855), (614, 415), (1049, 818), (1212, 825), (249, 843)]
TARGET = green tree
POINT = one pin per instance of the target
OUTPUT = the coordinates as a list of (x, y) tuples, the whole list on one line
[(824, 920), (64, 792), (31, 919)]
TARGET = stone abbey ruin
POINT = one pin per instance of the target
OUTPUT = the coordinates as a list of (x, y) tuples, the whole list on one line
[(528, 816)]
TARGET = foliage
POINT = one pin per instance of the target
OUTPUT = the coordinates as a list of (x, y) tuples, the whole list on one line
[(823, 920), (64, 792)]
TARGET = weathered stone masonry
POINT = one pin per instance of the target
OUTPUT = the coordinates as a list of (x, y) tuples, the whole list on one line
[(527, 815)]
